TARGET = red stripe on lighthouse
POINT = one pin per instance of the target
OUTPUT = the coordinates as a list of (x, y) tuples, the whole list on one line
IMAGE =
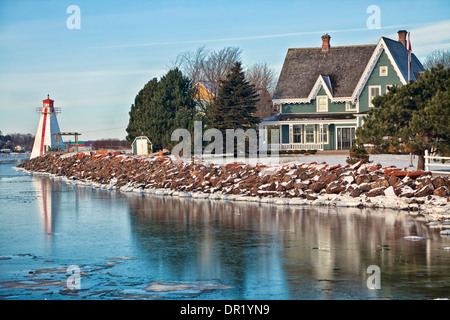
[(43, 133)]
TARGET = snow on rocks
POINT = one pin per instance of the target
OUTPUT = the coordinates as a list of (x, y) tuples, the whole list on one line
[(357, 185)]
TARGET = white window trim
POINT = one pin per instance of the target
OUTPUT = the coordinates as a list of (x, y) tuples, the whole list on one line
[(313, 133), (381, 71), (370, 97), (317, 103), (325, 132)]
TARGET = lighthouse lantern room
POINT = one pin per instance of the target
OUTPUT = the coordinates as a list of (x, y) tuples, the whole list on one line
[(48, 128)]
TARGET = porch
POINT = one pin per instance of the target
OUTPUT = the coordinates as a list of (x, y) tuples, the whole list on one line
[(308, 132)]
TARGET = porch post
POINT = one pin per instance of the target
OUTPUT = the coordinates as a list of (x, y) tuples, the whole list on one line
[(291, 136)]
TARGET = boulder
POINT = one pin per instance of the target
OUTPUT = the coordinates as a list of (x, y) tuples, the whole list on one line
[(441, 191), (425, 191), (327, 179), (334, 189), (393, 180), (317, 186), (380, 183), (376, 192), (438, 182), (362, 179), (356, 192)]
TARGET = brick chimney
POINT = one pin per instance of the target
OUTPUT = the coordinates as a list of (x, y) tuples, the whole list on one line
[(326, 42), (402, 37)]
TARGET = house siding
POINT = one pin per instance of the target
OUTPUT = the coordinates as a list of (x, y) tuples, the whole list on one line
[(376, 80), (312, 107)]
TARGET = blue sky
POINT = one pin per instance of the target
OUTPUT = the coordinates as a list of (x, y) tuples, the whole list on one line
[(94, 73)]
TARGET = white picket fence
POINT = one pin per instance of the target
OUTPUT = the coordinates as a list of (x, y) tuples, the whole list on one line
[(437, 162)]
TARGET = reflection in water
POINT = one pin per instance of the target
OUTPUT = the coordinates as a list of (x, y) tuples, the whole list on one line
[(250, 250), (295, 251), (48, 200)]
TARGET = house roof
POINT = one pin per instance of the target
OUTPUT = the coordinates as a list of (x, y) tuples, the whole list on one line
[(341, 68), (400, 55), (342, 65)]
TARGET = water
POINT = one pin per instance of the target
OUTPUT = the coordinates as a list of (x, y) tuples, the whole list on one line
[(131, 247)]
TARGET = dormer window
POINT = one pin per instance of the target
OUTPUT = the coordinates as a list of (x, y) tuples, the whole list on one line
[(383, 71), (322, 103), (350, 106)]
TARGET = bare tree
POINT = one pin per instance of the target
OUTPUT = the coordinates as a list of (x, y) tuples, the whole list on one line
[(208, 66), (437, 57), (191, 63), (264, 80)]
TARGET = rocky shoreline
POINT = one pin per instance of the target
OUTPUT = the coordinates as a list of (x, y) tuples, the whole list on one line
[(358, 185)]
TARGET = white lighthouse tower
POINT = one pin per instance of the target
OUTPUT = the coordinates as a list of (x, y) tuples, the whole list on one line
[(45, 138)]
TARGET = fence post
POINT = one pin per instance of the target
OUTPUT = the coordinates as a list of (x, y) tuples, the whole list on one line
[(427, 163)]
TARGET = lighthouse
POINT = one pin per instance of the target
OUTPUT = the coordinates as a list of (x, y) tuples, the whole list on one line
[(45, 138)]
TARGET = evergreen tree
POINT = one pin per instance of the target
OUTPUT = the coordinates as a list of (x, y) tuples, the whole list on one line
[(235, 105), (414, 118), (161, 107)]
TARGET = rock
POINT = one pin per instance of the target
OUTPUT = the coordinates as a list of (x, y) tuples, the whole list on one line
[(393, 180), (441, 192), (404, 191), (362, 179), (425, 191), (335, 189), (317, 186), (438, 182), (376, 192), (301, 185), (365, 187), (327, 179), (380, 183), (289, 185), (356, 192), (390, 192), (311, 197)]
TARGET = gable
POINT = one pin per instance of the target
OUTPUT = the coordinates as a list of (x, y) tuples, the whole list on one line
[(376, 78), (398, 57)]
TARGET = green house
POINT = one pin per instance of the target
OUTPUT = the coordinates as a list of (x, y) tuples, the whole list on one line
[(323, 93)]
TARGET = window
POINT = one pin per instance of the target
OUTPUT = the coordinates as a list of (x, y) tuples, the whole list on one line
[(374, 91), (309, 135), (322, 103), (298, 128), (350, 106), (324, 133), (383, 71)]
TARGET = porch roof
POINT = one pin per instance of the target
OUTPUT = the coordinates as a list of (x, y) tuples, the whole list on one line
[(309, 116)]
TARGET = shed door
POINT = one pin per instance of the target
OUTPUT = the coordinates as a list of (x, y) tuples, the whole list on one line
[(141, 145)]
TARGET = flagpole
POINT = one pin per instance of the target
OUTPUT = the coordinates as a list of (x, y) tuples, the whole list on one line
[(409, 56)]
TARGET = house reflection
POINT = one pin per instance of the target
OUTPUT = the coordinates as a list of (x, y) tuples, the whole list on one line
[(296, 249)]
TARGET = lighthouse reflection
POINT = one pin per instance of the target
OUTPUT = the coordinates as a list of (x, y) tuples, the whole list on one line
[(48, 197)]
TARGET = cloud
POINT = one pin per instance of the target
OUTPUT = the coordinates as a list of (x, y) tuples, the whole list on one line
[(258, 37)]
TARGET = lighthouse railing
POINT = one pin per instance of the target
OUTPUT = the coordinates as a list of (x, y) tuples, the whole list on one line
[(41, 110)]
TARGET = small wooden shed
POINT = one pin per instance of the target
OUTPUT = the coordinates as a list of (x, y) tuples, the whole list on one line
[(142, 146)]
